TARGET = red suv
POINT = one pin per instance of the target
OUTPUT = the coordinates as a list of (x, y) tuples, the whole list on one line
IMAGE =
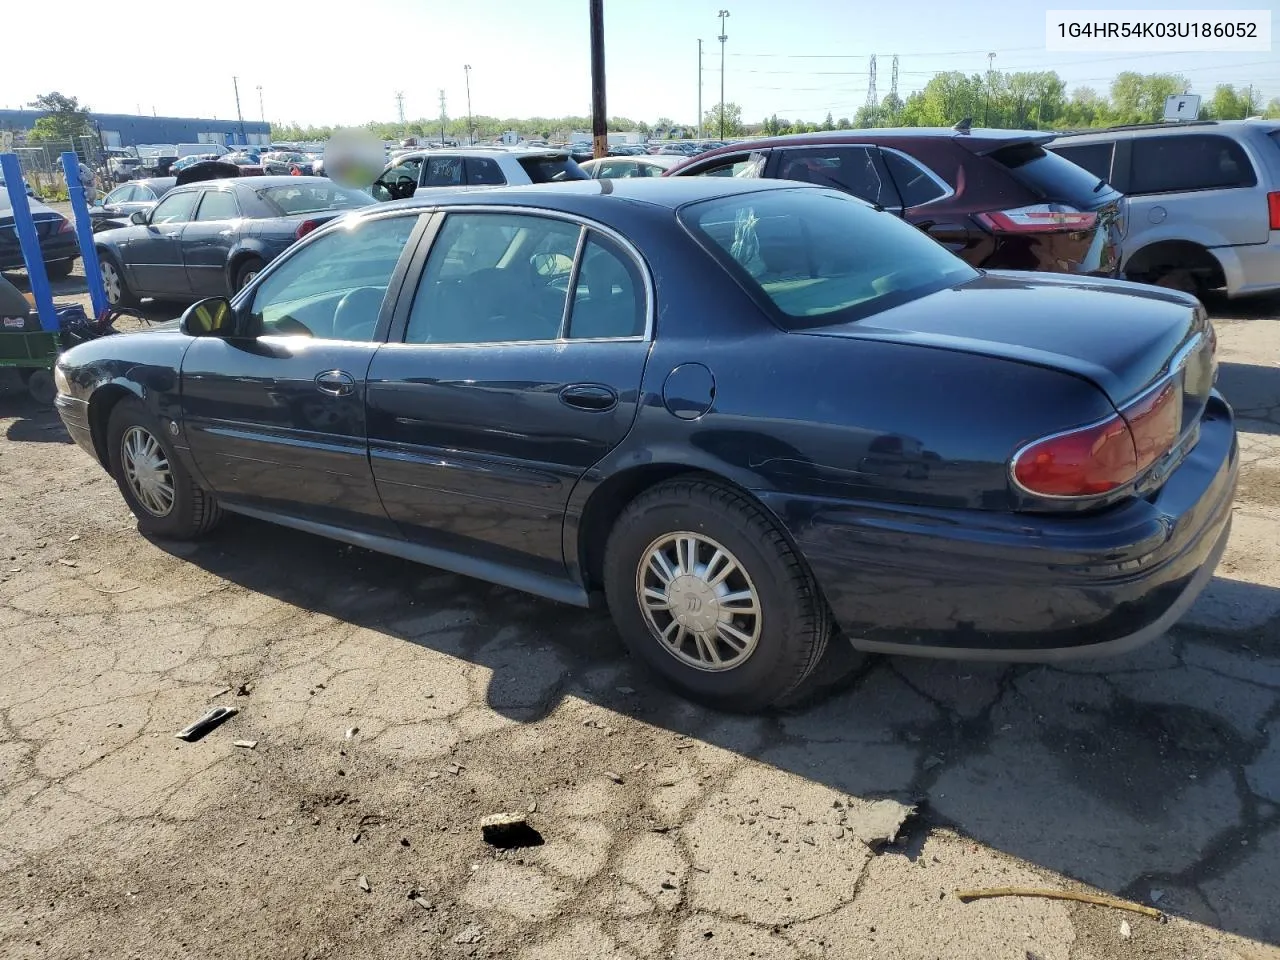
[(996, 198)]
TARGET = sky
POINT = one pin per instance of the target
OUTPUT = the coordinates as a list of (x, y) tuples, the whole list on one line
[(326, 63)]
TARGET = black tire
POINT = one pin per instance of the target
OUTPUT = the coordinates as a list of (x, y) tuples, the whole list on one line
[(118, 292), (41, 386), (245, 272), (193, 512), (1181, 280), (60, 269), (794, 623)]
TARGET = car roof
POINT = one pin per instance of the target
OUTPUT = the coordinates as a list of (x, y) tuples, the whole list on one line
[(255, 183), (517, 152), (983, 135), (669, 193), (1181, 128)]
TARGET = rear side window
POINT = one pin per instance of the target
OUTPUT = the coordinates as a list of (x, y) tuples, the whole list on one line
[(483, 172), (853, 169), (1191, 162), (552, 169), (735, 166), (914, 183), (817, 257), (1050, 176), (1094, 157)]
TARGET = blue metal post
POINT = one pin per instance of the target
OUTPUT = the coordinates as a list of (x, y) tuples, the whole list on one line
[(84, 233), (29, 241)]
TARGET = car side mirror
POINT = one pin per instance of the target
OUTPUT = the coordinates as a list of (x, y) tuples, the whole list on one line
[(139, 217), (211, 317)]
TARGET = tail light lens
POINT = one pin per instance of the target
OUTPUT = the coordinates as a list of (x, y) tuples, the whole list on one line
[(306, 227), (1273, 210), (295, 172), (66, 227), (1102, 457), (1040, 218)]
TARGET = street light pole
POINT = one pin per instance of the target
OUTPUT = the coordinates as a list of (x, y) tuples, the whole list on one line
[(986, 119), (700, 134), (471, 130), (599, 113), (235, 82), (262, 111), (723, 37)]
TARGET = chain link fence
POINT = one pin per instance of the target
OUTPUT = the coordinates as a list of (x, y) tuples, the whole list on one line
[(42, 164)]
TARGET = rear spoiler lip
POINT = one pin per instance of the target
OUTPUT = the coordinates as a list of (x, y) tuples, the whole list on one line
[(982, 148)]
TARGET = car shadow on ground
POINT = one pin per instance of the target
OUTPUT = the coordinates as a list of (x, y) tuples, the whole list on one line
[(33, 422), (1265, 307), (1130, 774), (1253, 390)]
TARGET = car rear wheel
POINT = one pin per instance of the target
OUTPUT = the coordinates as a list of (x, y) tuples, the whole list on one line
[(113, 281), (1181, 280), (245, 273), (157, 487), (59, 269), (707, 591)]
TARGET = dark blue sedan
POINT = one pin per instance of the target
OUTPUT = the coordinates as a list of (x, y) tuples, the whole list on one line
[(750, 416), (212, 237)]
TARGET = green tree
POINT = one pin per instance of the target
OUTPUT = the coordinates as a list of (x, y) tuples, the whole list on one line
[(829, 123), (1273, 109), (1230, 104), (64, 117), (890, 113), (732, 121), (844, 123), (1139, 98)]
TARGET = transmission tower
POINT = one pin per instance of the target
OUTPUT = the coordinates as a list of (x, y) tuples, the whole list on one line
[(873, 101), (443, 118), (893, 84), (400, 104)]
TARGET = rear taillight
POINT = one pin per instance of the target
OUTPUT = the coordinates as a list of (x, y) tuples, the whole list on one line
[(1103, 457), (1273, 210), (66, 227), (295, 172), (306, 227), (1041, 218)]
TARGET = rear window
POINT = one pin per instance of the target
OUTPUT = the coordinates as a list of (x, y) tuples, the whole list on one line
[(1094, 157), (1050, 176), (308, 198), (816, 257), (552, 169), (1189, 162)]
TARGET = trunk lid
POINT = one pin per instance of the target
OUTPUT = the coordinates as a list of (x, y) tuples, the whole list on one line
[(1122, 337)]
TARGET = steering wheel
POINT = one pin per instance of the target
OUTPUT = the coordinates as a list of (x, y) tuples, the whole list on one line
[(358, 304)]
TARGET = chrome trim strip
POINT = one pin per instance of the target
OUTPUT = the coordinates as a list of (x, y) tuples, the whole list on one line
[(947, 191)]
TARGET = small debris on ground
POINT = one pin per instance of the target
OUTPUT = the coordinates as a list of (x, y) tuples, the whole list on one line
[(509, 831), (352, 731), (615, 777), (363, 882), (68, 563), (73, 538), (1126, 931), (245, 744), (224, 690), (455, 768), (199, 728), (469, 935)]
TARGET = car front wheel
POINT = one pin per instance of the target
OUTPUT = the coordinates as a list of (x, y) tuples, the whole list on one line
[(707, 591), (157, 487)]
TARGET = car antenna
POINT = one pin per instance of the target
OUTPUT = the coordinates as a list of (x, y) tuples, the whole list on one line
[(964, 126)]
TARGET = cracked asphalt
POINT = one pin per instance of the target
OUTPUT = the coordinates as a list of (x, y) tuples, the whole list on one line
[(394, 706)]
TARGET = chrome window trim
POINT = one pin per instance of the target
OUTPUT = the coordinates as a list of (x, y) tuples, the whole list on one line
[(947, 191)]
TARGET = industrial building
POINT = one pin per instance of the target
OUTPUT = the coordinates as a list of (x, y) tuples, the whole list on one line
[(130, 130)]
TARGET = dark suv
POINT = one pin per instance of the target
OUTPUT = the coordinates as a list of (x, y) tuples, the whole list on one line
[(996, 198)]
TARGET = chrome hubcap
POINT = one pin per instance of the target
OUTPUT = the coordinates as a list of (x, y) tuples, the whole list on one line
[(698, 601), (248, 278), (111, 281), (146, 470)]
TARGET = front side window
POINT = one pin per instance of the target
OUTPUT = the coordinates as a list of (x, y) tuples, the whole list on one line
[(816, 257), (175, 208), (495, 278), (218, 205), (1175, 164), (333, 287), (400, 181), (126, 194)]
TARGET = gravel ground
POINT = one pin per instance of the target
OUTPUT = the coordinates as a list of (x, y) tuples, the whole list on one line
[(393, 706)]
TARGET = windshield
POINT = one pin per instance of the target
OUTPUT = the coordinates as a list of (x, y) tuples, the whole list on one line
[(313, 198), (552, 169), (817, 257)]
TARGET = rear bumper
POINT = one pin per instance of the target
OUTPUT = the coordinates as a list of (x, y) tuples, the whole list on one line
[(968, 585), (1251, 269), (64, 247)]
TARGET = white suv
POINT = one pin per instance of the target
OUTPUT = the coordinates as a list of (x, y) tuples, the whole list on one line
[(471, 169)]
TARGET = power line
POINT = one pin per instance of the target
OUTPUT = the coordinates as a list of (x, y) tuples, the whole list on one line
[(856, 56)]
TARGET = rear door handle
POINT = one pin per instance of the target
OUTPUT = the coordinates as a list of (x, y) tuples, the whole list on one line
[(336, 383), (589, 396)]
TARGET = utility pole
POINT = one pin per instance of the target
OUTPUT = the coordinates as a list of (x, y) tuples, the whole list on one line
[(262, 111), (986, 119), (400, 106), (700, 135), (723, 37), (442, 118), (471, 130), (873, 98), (235, 82), (599, 113)]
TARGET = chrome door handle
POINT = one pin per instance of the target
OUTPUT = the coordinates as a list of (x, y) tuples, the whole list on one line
[(336, 383)]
